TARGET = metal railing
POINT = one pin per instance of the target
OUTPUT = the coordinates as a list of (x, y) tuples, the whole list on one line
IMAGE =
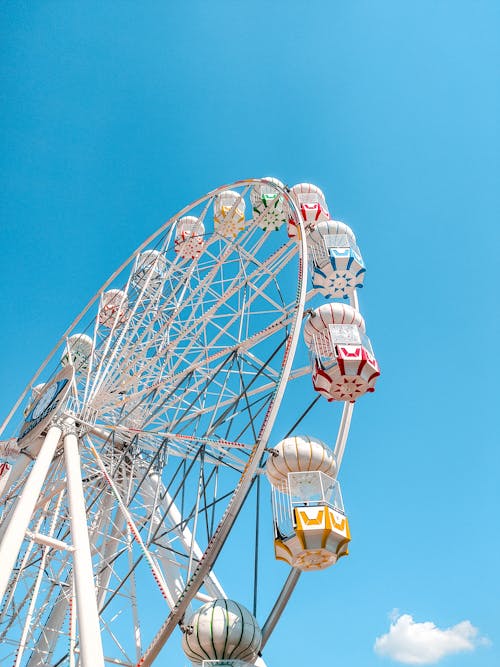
[(303, 489)]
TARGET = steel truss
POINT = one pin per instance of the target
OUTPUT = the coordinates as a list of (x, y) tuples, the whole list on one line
[(112, 529)]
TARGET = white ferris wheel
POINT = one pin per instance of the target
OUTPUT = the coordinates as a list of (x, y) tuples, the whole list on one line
[(154, 421)]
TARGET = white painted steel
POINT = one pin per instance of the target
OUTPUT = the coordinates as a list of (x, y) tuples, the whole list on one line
[(157, 573), (17, 523), (280, 604), (49, 634), (48, 542), (86, 604), (237, 500), (347, 412), (294, 576), (166, 508), (192, 329)]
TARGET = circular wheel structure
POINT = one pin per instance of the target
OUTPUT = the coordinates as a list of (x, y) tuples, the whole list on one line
[(140, 438)]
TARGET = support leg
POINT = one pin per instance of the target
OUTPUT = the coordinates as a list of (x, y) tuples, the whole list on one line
[(19, 520), (86, 604)]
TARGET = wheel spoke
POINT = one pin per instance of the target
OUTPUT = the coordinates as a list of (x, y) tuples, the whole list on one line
[(179, 365)]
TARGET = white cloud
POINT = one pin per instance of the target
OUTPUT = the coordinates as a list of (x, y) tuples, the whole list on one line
[(424, 643)]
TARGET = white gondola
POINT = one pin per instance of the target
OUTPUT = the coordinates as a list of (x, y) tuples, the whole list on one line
[(77, 352), (310, 527), (189, 234), (113, 311), (297, 454), (229, 213), (343, 364), (150, 267), (312, 204), (268, 204), (228, 662), (36, 392), (222, 630), (336, 265), (145, 458)]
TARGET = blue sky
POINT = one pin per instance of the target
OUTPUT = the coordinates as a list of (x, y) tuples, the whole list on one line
[(115, 115)]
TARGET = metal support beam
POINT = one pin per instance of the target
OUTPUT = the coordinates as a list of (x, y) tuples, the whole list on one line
[(86, 604), (18, 521), (279, 605)]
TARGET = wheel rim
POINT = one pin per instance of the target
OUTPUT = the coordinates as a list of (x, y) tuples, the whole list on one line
[(222, 354)]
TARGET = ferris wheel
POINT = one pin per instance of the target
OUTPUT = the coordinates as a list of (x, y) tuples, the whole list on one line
[(162, 414)]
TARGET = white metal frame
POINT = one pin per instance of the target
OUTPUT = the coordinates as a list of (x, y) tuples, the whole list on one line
[(194, 376)]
